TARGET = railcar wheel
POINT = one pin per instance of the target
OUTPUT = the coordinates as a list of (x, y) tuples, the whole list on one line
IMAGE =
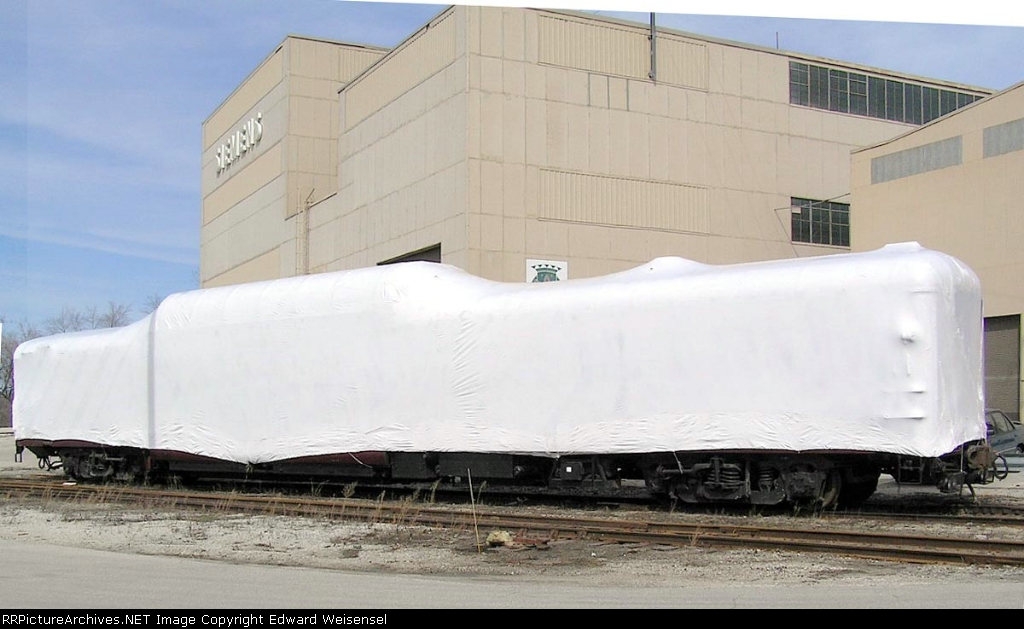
[(855, 493)]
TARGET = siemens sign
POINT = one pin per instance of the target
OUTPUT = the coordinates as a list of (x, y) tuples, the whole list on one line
[(244, 139)]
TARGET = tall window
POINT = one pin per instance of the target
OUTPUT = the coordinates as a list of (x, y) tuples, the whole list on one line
[(799, 82), (912, 103), (858, 94), (838, 91), (821, 222)]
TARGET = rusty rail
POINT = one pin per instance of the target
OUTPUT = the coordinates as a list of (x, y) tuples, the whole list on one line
[(889, 546)]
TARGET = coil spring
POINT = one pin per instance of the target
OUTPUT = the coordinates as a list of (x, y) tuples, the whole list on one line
[(730, 477), (766, 477)]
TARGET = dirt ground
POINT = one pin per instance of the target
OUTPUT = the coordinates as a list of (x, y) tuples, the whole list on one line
[(384, 547)]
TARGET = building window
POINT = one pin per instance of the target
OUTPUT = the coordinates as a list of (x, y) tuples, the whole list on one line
[(948, 102), (912, 101), (894, 101), (821, 222), (799, 92), (876, 97), (930, 104), (850, 92), (858, 94), (819, 87), (839, 91)]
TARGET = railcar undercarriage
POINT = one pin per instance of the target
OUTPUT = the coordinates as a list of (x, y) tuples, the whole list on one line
[(821, 480)]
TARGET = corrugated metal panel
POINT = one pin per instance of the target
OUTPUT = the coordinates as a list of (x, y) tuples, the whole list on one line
[(1002, 364), (404, 69), (919, 159), (352, 62), (593, 47), (682, 63), (582, 198), (1004, 138), (620, 52)]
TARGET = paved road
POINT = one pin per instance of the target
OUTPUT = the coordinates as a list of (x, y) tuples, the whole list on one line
[(42, 576)]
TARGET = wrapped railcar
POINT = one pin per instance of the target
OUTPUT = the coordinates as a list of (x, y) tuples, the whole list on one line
[(792, 380)]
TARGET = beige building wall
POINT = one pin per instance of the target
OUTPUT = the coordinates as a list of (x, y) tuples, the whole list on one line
[(970, 209), (401, 156), (292, 97), (507, 135), (576, 155), (955, 185)]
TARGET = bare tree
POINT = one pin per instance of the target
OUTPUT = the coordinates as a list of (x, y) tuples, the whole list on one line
[(69, 320), (115, 315), (90, 318), (152, 303), (13, 336)]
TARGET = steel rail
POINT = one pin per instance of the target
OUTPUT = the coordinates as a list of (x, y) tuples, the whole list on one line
[(914, 548)]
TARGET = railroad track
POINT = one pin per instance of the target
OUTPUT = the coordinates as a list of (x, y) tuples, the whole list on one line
[(998, 516), (542, 528), (944, 509)]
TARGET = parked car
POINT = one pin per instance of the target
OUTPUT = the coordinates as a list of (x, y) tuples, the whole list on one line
[(1004, 436)]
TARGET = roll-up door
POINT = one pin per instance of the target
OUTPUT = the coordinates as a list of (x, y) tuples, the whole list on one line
[(1002, 364)]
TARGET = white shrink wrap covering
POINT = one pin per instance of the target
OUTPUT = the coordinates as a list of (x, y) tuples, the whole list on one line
[(874, 352), (85, 386)]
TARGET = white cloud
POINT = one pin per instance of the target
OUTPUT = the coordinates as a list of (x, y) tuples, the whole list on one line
[(147, 246)]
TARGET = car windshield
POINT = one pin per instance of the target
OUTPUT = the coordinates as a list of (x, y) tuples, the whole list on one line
[(998, 422)]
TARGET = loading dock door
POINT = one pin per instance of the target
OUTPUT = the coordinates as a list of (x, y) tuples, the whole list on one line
[(1002, 364)]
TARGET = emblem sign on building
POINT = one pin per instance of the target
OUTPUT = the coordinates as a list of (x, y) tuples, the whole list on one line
[(244, 139), (547, 270)]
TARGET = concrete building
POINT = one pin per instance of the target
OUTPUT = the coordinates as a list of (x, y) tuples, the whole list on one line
[(526, 144), (955, 185), (267, 147)]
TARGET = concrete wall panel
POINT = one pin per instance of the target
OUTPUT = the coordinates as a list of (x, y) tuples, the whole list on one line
[(257, 174), (401, 70), (264, 267), (259, 83), (616, 201)]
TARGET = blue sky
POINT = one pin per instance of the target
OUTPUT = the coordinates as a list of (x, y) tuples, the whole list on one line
[(102, 102)]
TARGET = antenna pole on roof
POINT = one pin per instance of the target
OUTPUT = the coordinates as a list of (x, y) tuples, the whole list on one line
[(653, 74)]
